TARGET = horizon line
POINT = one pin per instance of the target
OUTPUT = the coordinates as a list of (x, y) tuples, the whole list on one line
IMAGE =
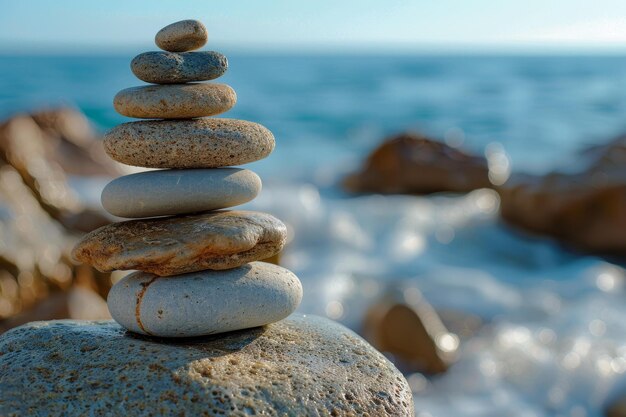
[(543, 48)]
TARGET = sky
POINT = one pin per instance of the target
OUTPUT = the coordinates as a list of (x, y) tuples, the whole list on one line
[(321, 25)]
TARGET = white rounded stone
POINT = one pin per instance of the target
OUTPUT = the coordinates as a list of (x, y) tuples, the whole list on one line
[(179, 191), (206, 302)]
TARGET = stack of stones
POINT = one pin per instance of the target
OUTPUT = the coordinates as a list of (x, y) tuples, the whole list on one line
[(196, 264)]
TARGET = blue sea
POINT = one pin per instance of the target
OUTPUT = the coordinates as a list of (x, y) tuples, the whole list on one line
[(554, 340)]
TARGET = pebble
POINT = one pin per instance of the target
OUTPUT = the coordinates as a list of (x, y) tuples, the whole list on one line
[(182, 36), (175, 101), (172, 68), (206, 302), (178, 245), (198, 143), (176, 191), (299, 366)]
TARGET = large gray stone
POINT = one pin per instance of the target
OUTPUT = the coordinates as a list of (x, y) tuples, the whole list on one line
[(160, 67), (205, 302), (175, 101), (301, 366), (179, 191), (196, 143)]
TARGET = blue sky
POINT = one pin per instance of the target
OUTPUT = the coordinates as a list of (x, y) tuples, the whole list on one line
[(359, 25)]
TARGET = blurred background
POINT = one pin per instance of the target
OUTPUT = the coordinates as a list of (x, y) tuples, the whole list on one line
[(452, 174)]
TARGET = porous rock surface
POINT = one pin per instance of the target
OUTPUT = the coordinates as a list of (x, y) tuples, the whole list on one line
[(160, 67), (175, 101), (197, 143), (301, 366)]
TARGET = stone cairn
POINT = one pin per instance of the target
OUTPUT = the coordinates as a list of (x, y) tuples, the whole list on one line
[(196, 264)]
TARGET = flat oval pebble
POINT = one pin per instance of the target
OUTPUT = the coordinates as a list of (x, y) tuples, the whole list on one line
[(179, 191), (175, 101), (182, 36), (171, 68), (205, 302), (178, 245), (198, 143)]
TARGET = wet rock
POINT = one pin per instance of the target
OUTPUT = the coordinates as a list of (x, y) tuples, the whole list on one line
[(175, 101), (585, 209), (178, 245), (301, 366), (172, 68), (404, 325), (413, 164)]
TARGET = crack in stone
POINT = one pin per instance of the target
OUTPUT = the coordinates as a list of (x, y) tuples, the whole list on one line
[(138, 304)]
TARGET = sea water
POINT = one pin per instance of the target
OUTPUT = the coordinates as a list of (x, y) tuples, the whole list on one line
[(554, 339)]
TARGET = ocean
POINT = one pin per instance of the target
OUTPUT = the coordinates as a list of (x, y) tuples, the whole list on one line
[(554, 343)]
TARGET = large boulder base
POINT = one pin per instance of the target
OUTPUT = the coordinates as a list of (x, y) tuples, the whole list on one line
[(303, 365)]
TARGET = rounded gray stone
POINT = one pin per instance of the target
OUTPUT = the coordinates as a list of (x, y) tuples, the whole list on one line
[(300, 366), (197, 143), (159, 67), (175, 101), (182, 36), (179, 191), (205, 302)]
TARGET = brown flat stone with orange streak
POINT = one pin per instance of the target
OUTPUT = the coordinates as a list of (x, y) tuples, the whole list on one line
[(177, 245)]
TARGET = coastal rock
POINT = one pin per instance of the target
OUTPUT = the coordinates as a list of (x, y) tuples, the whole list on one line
[(176, 191), (301, 366), (178, 245), (175, 101), (205, 302), (171, 68), (199, 143), (616, 408), (78, 303), (585, 209), (405, 325), (71, 141), (182, 36), (42, 155), (44, 149), (413, 164)]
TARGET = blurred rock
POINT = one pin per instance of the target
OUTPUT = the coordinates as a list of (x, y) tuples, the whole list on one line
[(586, 210), (410, 163), (462, 324), (47, 147), (41, 216), (78, 303), (404, 325), (616, 408), (73, 144)]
